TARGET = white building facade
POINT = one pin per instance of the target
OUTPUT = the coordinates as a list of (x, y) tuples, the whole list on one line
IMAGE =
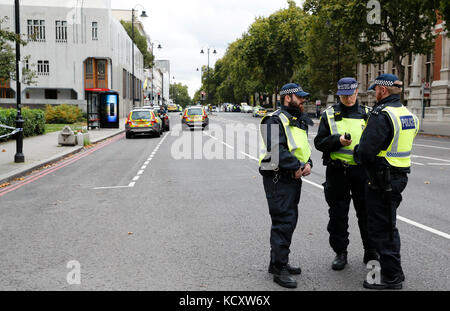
[(76, 47)]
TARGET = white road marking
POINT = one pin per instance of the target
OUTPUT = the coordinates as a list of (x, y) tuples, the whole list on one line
[(429, 158), (443, 164), (429, 146), (136, 178), (140, 172), (417, 163), (411, 222), (131, 184), (437, 232), (116, 187)]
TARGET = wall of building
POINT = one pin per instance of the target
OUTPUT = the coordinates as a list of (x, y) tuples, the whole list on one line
[(66, 59)]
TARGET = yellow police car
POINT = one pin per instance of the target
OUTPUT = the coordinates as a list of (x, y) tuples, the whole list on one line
[(143, 121), (172, 108), (194, 117), (259, 112)]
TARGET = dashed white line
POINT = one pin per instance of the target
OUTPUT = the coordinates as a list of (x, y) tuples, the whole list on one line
[(417, 163)]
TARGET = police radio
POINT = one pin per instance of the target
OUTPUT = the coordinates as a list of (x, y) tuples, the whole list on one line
[(348, 136)]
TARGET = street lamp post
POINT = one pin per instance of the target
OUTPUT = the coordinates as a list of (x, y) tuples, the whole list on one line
[(153, 65), (143, 15), (19, 156), (207, 78)]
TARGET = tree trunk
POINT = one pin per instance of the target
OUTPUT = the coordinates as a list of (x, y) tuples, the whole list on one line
[(401, 75)]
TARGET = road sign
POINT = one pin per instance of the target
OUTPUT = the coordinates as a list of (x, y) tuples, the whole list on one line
[(426, 89)]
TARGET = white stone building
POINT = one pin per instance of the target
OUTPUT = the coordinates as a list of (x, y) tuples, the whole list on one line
[(77, 49)]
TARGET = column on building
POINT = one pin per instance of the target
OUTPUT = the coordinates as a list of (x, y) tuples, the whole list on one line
[(440, 88), (415, 88)]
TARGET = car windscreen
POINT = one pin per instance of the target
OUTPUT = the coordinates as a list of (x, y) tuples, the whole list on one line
[(141, 115), (195, 112)]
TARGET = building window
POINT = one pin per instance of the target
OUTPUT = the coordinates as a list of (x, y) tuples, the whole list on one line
[(90, 69), (429, 64), (36, 30), (61, 31), (367, 75), (124, 84), (94, 31), (43, 68), (380, 69), (51, 94), (410, 57)]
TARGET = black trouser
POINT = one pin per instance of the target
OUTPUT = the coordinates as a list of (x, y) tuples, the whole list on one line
[(342, 185), (378, 220), (283, 197)]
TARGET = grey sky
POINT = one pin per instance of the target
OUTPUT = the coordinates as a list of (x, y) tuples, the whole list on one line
[(183, 28)]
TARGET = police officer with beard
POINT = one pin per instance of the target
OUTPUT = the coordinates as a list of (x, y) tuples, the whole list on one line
[(385, 152), (285, 159), (339, 131)]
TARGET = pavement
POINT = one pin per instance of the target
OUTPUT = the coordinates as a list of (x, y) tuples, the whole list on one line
[(42, 150)]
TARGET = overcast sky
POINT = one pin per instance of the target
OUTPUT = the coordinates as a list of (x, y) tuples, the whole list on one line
[(183, 28)]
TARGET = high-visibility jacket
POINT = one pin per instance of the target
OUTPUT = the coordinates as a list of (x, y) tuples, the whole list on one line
[(406, 127), (355, 127), (297, 139)]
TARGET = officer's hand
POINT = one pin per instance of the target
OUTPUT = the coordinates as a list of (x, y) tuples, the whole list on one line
[(345, 142), (306, 170), (298, 173)]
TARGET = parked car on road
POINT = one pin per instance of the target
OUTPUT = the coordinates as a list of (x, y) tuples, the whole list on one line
[(246, 108), (259, 112), (143, 121), (194, 117), (236, 108), (172, 108)]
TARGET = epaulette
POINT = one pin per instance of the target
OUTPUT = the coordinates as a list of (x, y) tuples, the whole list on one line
[(377, 110)]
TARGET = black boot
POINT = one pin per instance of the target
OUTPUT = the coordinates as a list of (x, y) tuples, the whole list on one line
[(282, 277), (370, 255), (339, 261), (291, 270), (395, 283)]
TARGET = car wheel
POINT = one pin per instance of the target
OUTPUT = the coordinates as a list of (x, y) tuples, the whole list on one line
[(128, 135)]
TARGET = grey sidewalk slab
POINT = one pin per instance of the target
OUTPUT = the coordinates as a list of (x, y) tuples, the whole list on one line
[(42, 150)]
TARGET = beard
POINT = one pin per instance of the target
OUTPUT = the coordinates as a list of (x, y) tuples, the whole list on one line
[(296, 105)]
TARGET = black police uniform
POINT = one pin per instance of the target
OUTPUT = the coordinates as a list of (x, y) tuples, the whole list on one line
[(377, 136), (343, 182), (282, 189)]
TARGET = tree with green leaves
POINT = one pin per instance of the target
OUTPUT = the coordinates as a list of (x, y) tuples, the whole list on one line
[(179, 93), (8, 40), (141, 43), (391, 31), (330, 51), (274, 47)]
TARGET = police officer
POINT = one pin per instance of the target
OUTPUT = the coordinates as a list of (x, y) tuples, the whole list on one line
[(385, 152), (284, 160), (345, 180)]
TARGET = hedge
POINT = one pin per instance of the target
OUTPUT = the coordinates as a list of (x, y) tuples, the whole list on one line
[(34, 121), (64, 114)]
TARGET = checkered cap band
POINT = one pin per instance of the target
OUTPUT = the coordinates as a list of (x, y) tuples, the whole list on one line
[(384, 83), (291, 91), (353, 86)]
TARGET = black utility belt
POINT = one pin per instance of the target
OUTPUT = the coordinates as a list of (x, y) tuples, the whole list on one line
[(341, 164), (280, 174)]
